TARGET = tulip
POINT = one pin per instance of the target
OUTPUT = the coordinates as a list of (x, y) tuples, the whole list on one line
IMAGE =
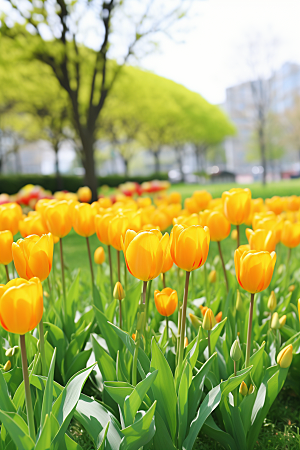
[(272, 303), (285, 356), (212, 277), (299, 309), (237, 206), (282, 321), (236, 351), (192, 219), (196, 322), (33, 256), (7, 366), (186, 342), (261, 240), (290, 234), (294, 203), (275, 204), (202, 199), (219, 317), (145, 253), (33, 224), (243, 389), (203, 309), (251, 389), (219, 227), (99, 256), (143, 202), (234, 235), (291, 288), (58, 218), (254, 269), (84, 220), (84, 194), (275, 325), (191, 205), (101, 226), (209, 320), (6, 240), (160, 219), (119, 294), (10, 215), (117, 229), (166, 301), (105, 202), (268, 221), (174, 197)]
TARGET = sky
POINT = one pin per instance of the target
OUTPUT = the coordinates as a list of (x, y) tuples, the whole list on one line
[(212, 56)]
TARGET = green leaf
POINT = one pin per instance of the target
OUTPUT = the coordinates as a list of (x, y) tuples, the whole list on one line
[(208, 405), (213, 431), (196, 387), (76, 345), (97, 299), (134, 400), (44, 440), (106, 364), (140, 432), (233, 382), (48, 394), (162, 438), (94, 418), (257, 361), (65, 404), (143, 360), (70, 444), (163, 389), (17, 429), (79, 363), (107, 333), (183, 403), (5, 401), (102, 437), (131, 305), (57, 339), (215, 333)]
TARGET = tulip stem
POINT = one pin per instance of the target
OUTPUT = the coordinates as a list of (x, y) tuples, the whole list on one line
[(287, 267), (248, 351), (119, 266), (167, 326), (7, 273), (163, 276), (90, 259), (208, 343), (183, 318), (238, 235), (120, 310), (63, 280), (110, 269), (223, 265), (42, 348), (235, 392), (147, 301), (28, 401), (135, 357)]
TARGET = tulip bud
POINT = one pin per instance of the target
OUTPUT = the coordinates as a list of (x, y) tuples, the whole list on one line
[(118, 293), (219, 317), (251, 389), (186, 342), (133, 336), (282, 321), (272, 303), (285, 356), (7, 366), (281, 269), (216, 260), (275, 325), (209, 320), (212, 277), (203, 310), (236, 351), (299, 308), (234, 235), (239, 303), (46, 294), (243, 389), (196, 322), (99, 255), (12, 351), (292, 288)]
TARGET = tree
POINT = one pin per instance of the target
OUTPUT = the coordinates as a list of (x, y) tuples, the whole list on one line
[(86, 73), (290, 121)]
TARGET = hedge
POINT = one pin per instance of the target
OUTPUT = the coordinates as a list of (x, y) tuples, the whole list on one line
[(11, 184)]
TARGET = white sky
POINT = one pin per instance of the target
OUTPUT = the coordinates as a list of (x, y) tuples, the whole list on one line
[(212, 56)]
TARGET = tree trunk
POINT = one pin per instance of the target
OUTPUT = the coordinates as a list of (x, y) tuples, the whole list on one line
[(198, 158), (18, 159), (90, 178), (179, 161), (156, 155), (262, 152), (126, 168), (59, 181)]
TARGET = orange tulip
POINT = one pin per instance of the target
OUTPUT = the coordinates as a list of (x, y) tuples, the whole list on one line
[(6, 240), (102, 225), (99, 256), (202, 199), (290, 234), (254, 270), (261, 240), (189, 246), (166, 301), (168, 261), (116, 230), (58, 218), (84, 219), (237, 205), (275, 204), (10, 215), (21, 305), (219, 227), (84, 194)]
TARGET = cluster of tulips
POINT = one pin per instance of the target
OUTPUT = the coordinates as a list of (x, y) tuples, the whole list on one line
[(124, 315)]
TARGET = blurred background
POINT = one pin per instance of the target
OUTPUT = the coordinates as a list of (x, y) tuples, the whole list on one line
[(108, 91)]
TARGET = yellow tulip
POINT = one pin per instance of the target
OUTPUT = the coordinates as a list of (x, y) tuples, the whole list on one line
[(293, 203), (189, 246), (272, 303), (174, 197), (84, 194), (145, 253), (196, 322), (33, 224), (243, 390), (257, 205), (116, 230), (160, 219), (105, 202), (268, 221), (299, 309), (166, 301), (254, 270), (285, 356), (261, 240), (290, 234), (143, 202), (102, 225), (99, 255), (209, 320), (234, 235), (191, 205), (219, 227), (282, 321), (275, 204), (6, 240), (275, 325), (202, 199), (237, 205), (168, 261), (212, 276), (10, 215), (58, 218), (84, 219), (33, 256), (193, 219), (21, 305), (7, 366)]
